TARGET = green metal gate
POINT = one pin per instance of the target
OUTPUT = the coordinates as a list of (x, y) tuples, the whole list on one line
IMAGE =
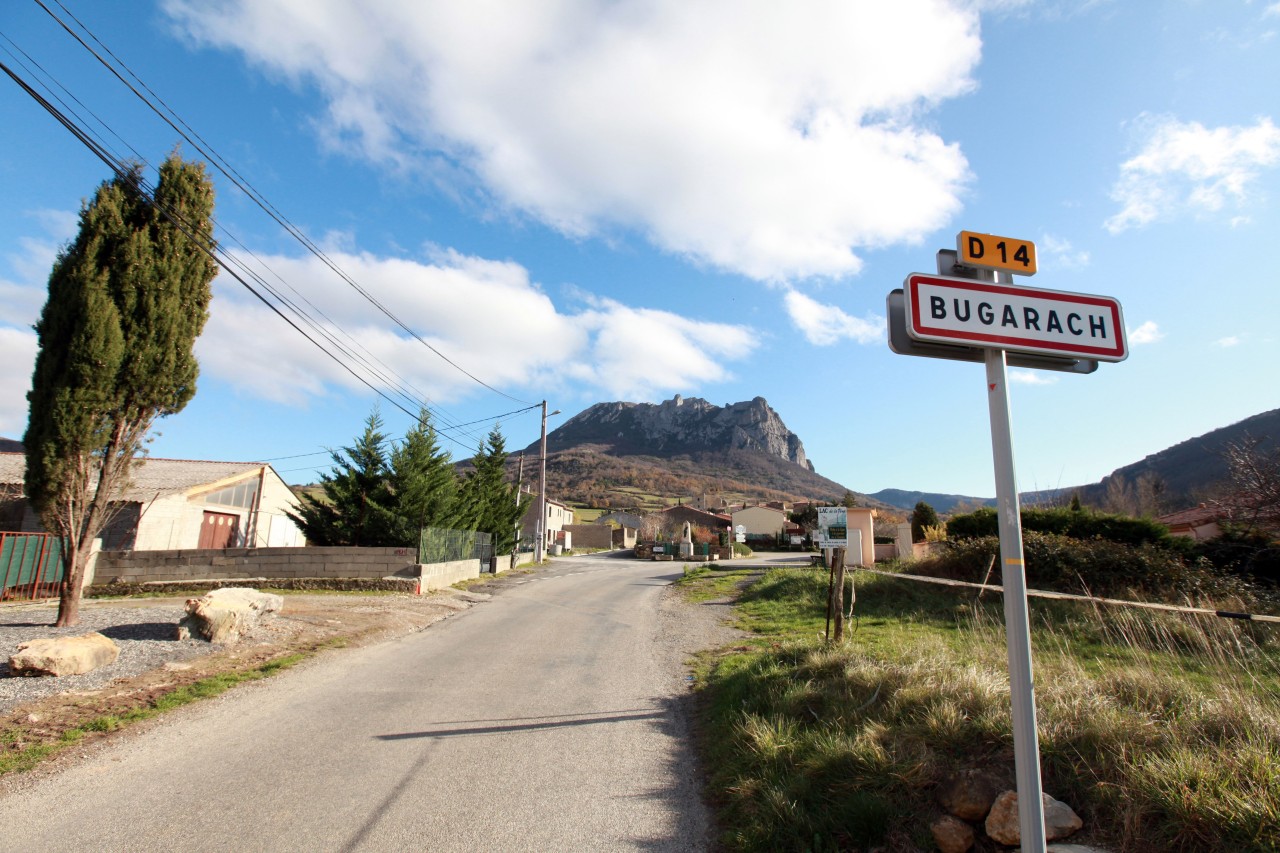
[(30, 565)]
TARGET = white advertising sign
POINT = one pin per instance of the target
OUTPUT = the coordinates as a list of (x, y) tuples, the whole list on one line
[(833, 527)]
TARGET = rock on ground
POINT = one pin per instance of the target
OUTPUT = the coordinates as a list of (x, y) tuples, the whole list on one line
[(952, 835), (1002, 824), (222, 615), (63, 655)]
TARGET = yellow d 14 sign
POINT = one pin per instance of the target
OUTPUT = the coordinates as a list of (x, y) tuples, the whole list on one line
[(992, 252)]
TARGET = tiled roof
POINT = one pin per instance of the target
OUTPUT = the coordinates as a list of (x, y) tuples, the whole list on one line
[(153, 477), (1195, 516)]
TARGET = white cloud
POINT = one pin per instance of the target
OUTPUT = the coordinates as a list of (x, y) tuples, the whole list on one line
[(635, 353), (1229, 341), (486, 316), (823, 325), (1147, 333), (18, 355), (1185, 166), (1272, 11), (1056, 253), (21, 297), (772, 140), (1028, 377)]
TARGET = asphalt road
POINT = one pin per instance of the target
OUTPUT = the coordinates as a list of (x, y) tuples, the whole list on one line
[(552, 718)]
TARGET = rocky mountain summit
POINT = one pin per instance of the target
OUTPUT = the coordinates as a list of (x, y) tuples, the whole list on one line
[(681, 427)]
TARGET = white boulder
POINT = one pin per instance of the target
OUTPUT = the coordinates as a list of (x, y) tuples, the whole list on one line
[(222, 615), (64, 655)]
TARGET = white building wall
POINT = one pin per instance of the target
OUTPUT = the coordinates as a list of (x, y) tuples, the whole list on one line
[(275, 529), (760, 520), (168, 523)]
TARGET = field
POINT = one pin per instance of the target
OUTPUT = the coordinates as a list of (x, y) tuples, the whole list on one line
[(1162, 731)]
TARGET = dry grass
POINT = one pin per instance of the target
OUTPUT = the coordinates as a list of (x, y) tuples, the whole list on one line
[(1161, 731)]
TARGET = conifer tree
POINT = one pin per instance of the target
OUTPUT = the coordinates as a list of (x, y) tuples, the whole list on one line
[(423, 483), (127, 299), (357, 508), (921, 517), (488, 503)]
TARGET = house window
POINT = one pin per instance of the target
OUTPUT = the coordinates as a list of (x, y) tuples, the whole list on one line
[(240, 495)]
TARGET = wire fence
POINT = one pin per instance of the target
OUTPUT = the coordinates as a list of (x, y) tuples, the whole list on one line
[(441, 545)]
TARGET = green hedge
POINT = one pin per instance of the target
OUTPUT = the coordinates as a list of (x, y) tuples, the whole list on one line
[(1101, 567), (1064, 522)]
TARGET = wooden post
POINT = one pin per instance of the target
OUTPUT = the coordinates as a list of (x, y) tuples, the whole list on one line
[(837, 598), (831, 585)]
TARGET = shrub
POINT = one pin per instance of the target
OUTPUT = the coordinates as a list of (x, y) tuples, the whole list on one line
[(921, 517), (1064, 564), (1249, 553), (1064, 522)]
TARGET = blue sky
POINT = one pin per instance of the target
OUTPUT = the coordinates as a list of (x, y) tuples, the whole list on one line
[(587, 201)]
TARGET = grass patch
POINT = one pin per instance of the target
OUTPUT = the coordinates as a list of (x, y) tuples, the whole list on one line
[(1162, 731), (17, 756), (708, 582)]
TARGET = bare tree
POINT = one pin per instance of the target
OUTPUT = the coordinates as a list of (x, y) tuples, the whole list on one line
[(1253, 491), (1140, 498)]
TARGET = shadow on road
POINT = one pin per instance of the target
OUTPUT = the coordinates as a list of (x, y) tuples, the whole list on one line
[(548, 723)]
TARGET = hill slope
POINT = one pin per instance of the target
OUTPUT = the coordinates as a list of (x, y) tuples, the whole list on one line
[(1190, 469)]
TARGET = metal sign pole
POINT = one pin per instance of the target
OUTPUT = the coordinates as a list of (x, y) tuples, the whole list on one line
[(1026, 744)]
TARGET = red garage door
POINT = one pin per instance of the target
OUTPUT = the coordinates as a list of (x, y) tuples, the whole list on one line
[(219, 530)]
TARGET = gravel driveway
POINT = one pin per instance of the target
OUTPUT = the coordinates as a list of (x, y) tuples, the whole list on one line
[(145, 630), (146, 636)]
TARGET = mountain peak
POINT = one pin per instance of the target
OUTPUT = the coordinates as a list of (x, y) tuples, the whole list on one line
[(681, 426)]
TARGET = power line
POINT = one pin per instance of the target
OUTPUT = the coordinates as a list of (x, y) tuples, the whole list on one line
[(232, 175), (135, 179), (329, 330)]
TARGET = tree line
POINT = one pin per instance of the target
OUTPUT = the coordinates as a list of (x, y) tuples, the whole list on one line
[(383, 494)]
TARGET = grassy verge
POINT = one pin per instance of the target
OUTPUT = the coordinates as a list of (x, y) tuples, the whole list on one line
[(19, 756), (1161, 731)]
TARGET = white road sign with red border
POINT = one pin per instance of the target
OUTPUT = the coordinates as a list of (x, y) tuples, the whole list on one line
[(1015, 318)]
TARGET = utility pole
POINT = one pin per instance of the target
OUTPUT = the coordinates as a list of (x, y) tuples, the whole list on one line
[(539, 552), (515, 548)]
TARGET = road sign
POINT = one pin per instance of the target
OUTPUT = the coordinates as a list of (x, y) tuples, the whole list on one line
[(993, 252), (903, 344), (833, 526), (1014, 318)]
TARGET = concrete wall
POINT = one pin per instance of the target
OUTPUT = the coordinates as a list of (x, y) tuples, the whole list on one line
[(285, 563), (591, 535), (210, 564), (440, 575)]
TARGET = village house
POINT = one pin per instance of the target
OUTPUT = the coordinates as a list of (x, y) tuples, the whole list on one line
[(174, 504)]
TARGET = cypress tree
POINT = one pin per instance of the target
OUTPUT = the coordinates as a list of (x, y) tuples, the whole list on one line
[(127, 299)]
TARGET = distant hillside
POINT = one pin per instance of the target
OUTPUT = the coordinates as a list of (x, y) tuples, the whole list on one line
[(942, 503), (648, 455), (1190, 470), (8, 445)]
